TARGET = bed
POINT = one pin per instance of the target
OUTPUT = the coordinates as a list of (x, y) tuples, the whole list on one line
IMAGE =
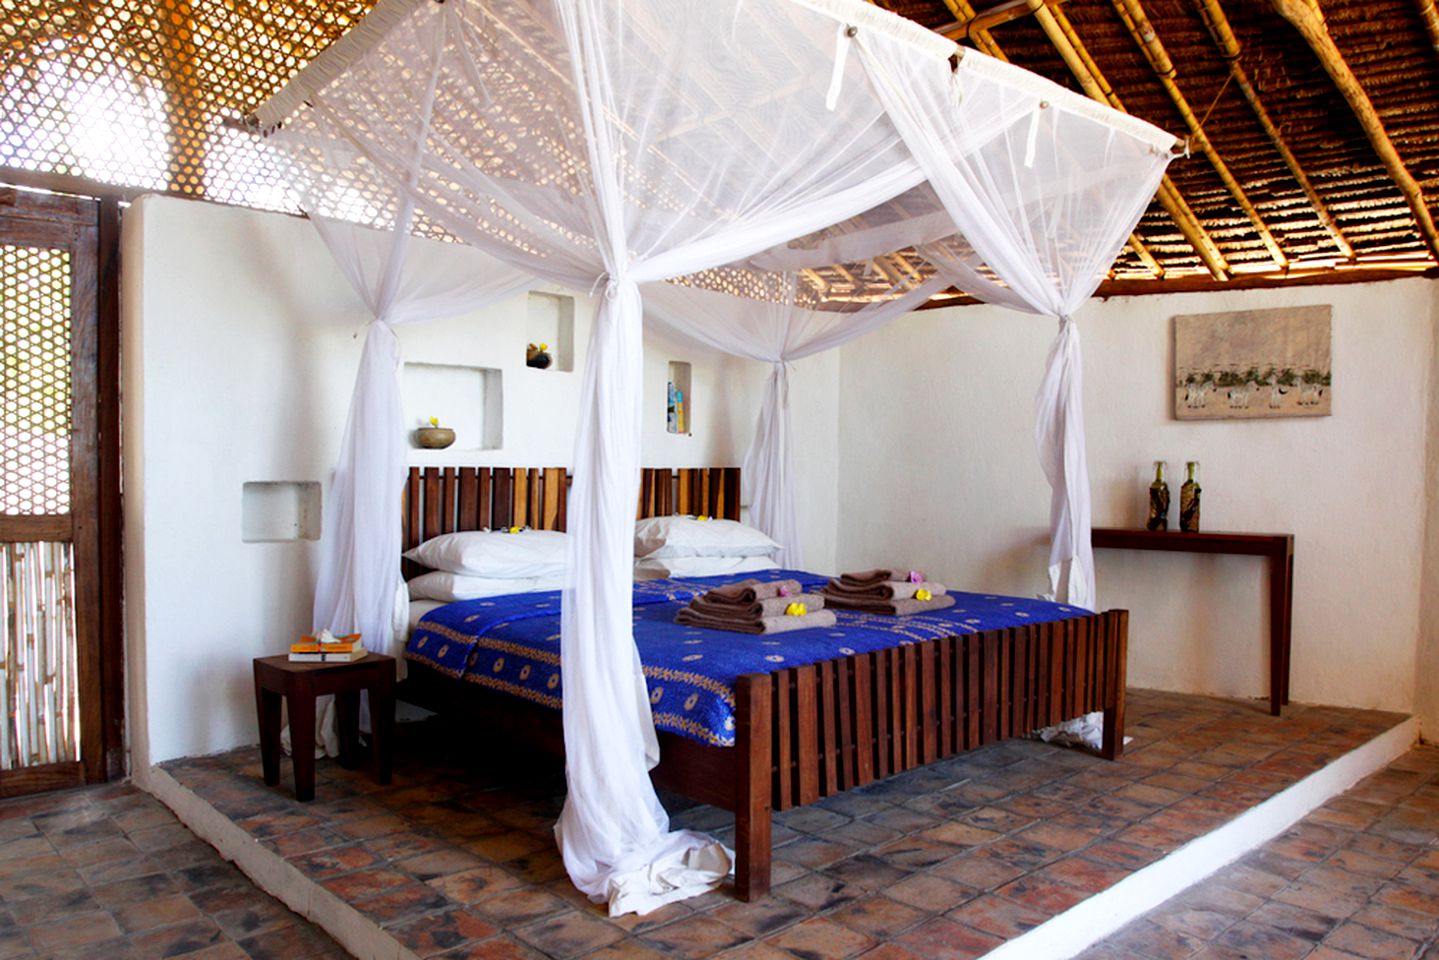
[(880, 699)]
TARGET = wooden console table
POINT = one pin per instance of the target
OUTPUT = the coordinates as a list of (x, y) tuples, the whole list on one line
[(1278, 547)]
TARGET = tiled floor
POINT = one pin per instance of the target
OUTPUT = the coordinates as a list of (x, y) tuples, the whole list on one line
[(943, 862), (108, 873), (1357, 878)]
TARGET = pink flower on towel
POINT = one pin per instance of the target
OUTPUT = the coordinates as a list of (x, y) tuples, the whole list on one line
[(916, 577), (784, 591)]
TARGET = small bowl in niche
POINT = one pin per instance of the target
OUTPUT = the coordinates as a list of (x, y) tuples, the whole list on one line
[(434, 438)]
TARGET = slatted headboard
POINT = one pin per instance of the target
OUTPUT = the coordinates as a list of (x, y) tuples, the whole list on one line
[(447, 499)]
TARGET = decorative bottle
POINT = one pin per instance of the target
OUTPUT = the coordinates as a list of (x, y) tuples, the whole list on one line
[(1158, 500), (1189, 500)]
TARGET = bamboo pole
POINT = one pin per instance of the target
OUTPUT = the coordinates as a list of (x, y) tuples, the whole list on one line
[(965, 12), (1131, 14), (1430, 16), (1218, 25), (1057, 28), (1308, 19)]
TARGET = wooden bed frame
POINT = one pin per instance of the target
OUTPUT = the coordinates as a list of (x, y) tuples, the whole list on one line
[(802, 733)]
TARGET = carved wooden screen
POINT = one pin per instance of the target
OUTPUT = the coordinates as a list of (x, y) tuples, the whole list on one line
[(48, 516)]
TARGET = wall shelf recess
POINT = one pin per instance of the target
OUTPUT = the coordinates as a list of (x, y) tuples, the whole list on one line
[(279, 511), (468, 400), (550, 319), (679, 402)]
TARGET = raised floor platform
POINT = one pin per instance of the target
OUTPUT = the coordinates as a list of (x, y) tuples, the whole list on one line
[(1020, 849)]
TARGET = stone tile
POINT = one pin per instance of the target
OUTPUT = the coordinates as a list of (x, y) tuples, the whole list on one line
[(878, 916), (1042, 894), (763, 917), (569, 935), (519, 907), (930, 892), (401, 902), (819, 938), (156, 912), (75, 931), (694, 937), (1371, 943), (472, 886), (1265, 941), (439, 932), (942, 939), (1157, 942), (998, 916)]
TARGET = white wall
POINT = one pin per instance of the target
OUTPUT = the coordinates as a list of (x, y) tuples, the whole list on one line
[(1426, 665), (938, 470), (239, 354)]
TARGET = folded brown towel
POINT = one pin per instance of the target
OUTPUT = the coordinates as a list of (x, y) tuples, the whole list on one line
[(746, 592), (769, 607), (781, 624), (892, 608), (898, 589), (871, 578)]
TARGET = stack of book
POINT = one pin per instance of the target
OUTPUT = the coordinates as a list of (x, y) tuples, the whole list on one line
[(327, 648)]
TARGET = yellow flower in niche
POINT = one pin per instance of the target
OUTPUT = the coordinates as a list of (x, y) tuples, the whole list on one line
[(796, 610), (923, 594)]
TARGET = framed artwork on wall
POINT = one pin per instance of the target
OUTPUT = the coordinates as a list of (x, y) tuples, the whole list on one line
[(1253, 364)]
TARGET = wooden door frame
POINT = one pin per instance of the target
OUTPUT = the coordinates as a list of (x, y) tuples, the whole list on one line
[(90, 230)]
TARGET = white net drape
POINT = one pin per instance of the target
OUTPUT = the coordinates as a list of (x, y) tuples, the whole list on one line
[(776, 331), (607, 145)]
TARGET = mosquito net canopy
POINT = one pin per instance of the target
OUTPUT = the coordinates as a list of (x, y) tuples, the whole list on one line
[(768, 178)]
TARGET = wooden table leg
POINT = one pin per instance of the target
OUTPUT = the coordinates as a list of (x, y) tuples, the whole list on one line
[(1288, 621), (302, 738), (267, 709), (347, 717), (382, 722), (1277, 665)]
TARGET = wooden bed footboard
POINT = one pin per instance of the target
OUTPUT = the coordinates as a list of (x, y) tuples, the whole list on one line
[(809, 732), (804, 733)]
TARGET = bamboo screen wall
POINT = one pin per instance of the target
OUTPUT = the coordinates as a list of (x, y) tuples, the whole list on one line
[(37, 633), (148, 93)]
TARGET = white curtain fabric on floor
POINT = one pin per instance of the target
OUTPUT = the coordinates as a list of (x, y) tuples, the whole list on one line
[(776, 331), (607, 145)]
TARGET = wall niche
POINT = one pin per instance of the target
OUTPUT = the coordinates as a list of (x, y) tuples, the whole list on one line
[(550, 320), (468, 400)]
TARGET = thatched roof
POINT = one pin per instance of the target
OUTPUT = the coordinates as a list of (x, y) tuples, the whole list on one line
[(1315, 151)]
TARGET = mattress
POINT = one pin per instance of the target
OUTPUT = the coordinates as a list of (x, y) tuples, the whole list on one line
[(512, 644)]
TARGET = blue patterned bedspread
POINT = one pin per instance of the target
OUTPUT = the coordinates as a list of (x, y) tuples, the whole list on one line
[(512, 644)]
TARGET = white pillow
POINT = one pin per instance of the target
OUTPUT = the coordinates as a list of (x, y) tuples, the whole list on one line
[(660, 538), (494, 553), (700, 567), (449, 587)]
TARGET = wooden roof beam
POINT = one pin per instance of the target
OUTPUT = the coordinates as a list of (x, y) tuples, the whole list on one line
[(1430, 16), (1308, 19), (1218, 25), (1061, 33), (968, 24), (964, 11), (1131, 13)]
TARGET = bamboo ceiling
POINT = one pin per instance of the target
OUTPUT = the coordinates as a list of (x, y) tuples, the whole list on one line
[(1314, 154)]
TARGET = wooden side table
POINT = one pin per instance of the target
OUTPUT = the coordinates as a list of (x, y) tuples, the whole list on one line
[(1278, 547), (300, 684)]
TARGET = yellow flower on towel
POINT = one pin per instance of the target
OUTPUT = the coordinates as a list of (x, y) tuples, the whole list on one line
[(796, 610), (512, 530), (702, 516), (923, 594)]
